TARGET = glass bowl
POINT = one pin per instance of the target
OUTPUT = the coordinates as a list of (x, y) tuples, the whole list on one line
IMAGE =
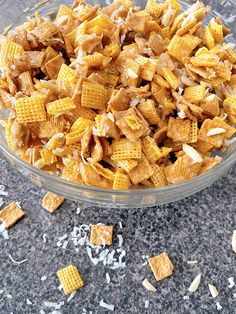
[(15, 15)]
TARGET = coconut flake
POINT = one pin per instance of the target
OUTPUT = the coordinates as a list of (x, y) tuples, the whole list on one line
[(132, 74), (134, 102), (214, 292), (71, 296), (167, 16), (192, 262), (120, 238), (216, 131), (108, 278), (120, 225), (192, 153), (43, 278), (181, 114), (146, 304), (57, 306), (218, 306), (78, 210), (147, 284), (231, 282), (195, 284), (9, 296), (28, 302), (65, 245), (17, 262), (186, 297), (44, 238), (233, 243), (106, 305), (1, 292), (209, 98)]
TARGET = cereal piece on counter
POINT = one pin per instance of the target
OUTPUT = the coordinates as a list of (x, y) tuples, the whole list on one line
[(11, 214), (70, 279), (161, 266), (101, 235), (51, 202)]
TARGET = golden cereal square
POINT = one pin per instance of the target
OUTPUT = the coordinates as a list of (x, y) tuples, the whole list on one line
[(30, 109), (161, 266), (101, 235), (51, 202), (70, 279), (11, 214), (94, 95)]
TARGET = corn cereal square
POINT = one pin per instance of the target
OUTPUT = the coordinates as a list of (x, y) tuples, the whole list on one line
[(101, 235), (10, 214), (52, 201), (70, 279), (161, 266)]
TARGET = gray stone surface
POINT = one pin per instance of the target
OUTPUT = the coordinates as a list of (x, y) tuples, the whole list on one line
[(197, 228)]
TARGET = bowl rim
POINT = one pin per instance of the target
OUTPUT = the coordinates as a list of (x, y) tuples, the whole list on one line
[(224, 165)]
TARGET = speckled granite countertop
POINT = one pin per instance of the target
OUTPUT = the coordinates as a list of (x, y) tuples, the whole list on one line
[(197, 228)]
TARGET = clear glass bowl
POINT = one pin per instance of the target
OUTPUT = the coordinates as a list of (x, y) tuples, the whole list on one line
[(15, 14)]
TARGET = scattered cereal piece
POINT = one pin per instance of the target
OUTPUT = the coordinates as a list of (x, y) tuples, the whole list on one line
[(52, 201), (161, 266), (70, 279), (101, 235), (11, 214)]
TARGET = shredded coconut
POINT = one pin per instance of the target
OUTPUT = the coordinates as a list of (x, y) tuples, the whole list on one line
[(16, 262), (1, 292), (216, 131), (120, 238), (55, 305), (71, 296), (9, 296), (28, 302), (192, 153), (146, 304), (44, 238), (192, 262), (218, 306), (65, 245), (132, 74), (108, 278), (186, 297), (43, 278), (106, 305), (231, 282), (233, 243), (120, 225)]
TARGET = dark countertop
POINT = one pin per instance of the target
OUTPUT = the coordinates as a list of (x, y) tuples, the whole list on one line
[(197, 228)]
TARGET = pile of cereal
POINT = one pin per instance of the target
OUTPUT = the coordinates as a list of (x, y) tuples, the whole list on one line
[(119, 97)]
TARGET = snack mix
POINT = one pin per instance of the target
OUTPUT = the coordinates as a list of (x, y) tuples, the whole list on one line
[(120, 97)]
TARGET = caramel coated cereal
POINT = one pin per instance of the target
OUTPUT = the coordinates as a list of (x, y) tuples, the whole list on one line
[(10, 214), (161, 266), (51, 202), (101, 235)]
